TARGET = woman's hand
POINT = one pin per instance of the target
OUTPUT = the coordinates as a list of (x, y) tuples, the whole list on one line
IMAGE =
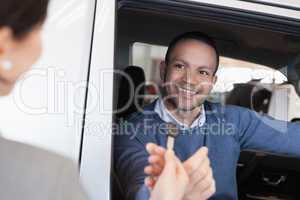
[(201, 181), (173, 180)]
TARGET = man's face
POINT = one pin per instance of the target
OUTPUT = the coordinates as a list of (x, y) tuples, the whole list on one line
[(189, 76)]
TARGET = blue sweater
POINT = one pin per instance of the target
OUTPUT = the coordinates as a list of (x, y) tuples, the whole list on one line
[(227, 131)]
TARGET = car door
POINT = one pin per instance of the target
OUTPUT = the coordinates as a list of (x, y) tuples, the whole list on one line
[(96, 149)]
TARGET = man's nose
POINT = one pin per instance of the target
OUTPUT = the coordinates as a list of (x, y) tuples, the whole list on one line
[(190, 77)]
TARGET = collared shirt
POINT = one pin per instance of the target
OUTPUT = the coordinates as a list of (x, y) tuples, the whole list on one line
[(167, 116)]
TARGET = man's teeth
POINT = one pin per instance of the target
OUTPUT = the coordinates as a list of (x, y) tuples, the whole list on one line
[(190, 92)]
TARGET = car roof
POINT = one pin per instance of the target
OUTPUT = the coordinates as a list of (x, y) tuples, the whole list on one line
[(255, 37)]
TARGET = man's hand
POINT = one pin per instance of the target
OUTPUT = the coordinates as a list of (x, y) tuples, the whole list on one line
[(201, 182)]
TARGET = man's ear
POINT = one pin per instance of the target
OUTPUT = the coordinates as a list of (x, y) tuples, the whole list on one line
[(163, 70), (6, 38), (215, 79)]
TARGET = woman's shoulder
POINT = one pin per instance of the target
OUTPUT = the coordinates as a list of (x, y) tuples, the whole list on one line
[(25, 158), (38, 170), (27, 153)]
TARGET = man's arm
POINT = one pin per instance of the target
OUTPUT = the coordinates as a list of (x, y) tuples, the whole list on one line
[(267, 134)]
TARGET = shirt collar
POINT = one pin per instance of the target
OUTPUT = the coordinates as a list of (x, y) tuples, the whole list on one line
[(167, 116)]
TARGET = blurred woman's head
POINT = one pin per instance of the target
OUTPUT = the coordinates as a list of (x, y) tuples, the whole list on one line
[(20, 39)]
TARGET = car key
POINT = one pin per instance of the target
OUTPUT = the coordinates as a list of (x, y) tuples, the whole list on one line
[(172, 133)]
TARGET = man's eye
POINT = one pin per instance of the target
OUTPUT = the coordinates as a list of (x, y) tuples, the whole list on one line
[(179, 66), (204, 73)]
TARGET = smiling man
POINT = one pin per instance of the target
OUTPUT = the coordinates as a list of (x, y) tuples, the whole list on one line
[(188, 74)]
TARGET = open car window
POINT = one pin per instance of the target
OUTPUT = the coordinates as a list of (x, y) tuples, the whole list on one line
[(231, 71)]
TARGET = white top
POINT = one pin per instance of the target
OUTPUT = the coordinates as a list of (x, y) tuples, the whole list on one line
[(167, 116)]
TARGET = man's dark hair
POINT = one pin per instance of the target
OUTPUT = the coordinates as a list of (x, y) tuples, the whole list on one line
[(22, 16), (198, 36)]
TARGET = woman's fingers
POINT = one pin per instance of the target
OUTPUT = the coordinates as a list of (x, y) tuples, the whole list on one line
[(154, 149), (150, 182), (182, 175), (157, 160), (152, 170), (170, 162)]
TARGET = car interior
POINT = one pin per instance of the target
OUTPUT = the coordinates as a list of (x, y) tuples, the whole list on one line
[(259, 38)]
